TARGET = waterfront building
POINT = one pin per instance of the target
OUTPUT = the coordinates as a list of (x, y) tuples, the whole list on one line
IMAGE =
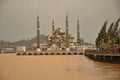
[(61, 40), (58, 40)]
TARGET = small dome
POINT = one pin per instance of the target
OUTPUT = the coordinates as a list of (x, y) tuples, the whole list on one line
[(70, 36), (48, 38), (59, 31), (57, 36)]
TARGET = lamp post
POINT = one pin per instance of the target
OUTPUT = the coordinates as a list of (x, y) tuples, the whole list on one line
[(119, 39), (99, 46)]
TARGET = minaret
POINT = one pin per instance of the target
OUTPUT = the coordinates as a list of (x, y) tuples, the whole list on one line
[(53, 27), (67, 32), (78, 32), (38, 33)]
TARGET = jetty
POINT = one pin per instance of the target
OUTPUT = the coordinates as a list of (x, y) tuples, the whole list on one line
[(104, 57)]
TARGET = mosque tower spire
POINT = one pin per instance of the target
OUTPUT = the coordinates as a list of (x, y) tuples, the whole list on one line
[(53, 27), (38, 33), (78, 32), (67, 31)]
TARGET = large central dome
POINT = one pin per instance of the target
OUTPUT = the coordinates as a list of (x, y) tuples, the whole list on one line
[(59, 31)]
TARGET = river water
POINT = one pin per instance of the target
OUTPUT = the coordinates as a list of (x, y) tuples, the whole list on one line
[(57, 67)]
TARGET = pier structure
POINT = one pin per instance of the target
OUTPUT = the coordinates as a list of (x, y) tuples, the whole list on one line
[(102, 57)]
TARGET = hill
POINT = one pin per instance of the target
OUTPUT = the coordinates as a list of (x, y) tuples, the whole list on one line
[(23, 42)]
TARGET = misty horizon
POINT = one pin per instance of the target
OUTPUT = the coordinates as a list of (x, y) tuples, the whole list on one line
[(18, 17)]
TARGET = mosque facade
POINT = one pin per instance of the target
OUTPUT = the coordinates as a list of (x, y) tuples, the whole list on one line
[(61, 39)]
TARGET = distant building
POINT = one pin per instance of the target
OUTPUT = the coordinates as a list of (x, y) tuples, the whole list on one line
[(20, 48), (7, 49), (90, 47), (11, 49)]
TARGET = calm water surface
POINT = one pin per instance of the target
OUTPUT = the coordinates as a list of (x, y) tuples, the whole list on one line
[(61, 67)]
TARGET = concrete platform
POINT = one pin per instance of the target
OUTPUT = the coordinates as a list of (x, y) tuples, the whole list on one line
[(108, 57)]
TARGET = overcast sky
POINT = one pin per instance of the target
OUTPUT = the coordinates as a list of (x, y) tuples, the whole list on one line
[(18, 17)]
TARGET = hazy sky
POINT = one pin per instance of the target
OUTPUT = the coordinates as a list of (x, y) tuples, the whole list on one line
[(18, 17)]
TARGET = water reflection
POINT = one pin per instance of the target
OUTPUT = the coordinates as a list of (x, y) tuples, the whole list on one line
[(14, 67)]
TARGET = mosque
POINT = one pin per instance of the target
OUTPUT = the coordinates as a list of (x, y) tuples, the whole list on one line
[(60, 39)]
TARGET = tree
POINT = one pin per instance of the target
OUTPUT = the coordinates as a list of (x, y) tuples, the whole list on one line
[(102, 36), (111, 37), (118, 37), (103, 33), (115, 28), (110, 31)]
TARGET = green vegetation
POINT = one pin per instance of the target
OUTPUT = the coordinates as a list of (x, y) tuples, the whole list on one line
[(109, 38)]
